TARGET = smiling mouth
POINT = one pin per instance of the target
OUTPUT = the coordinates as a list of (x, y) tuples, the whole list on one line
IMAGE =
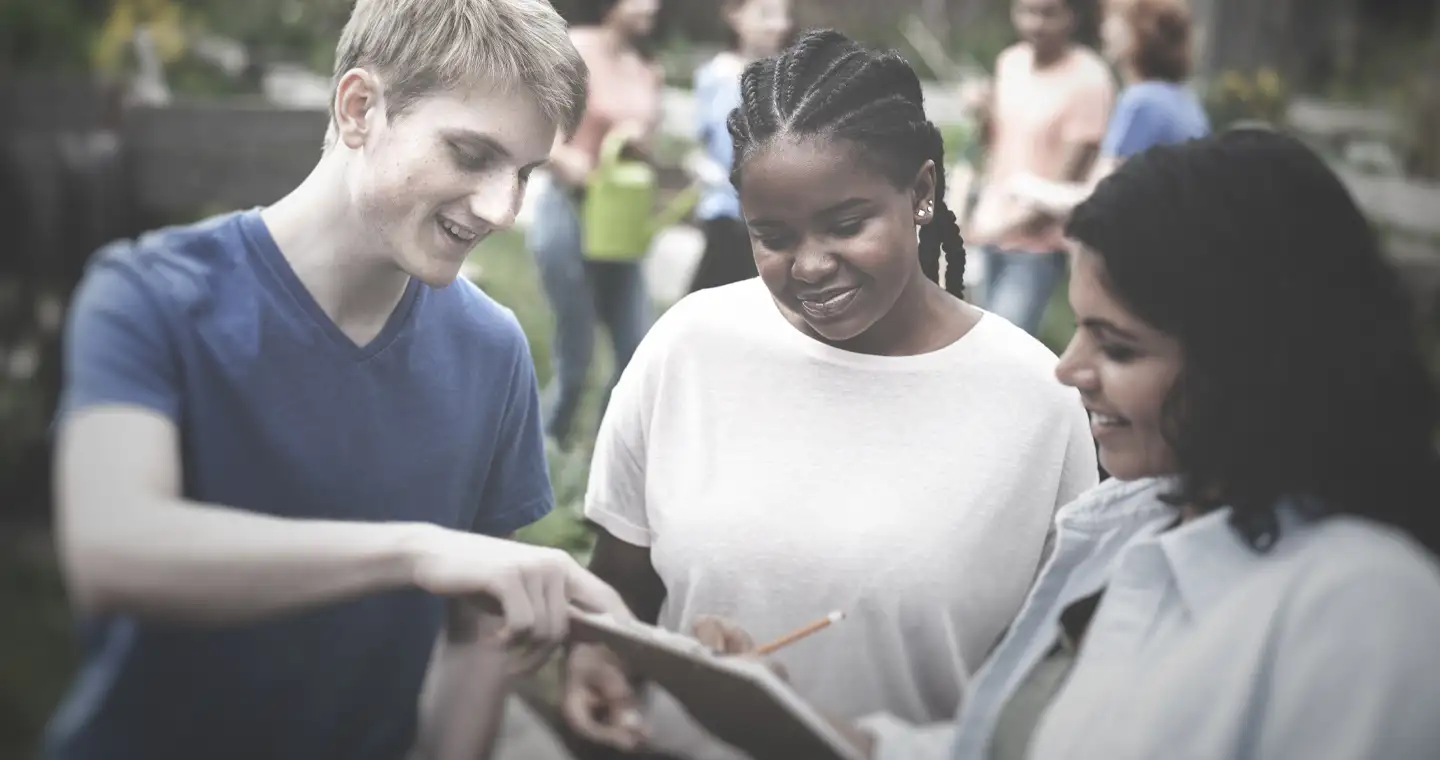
[(1101, 421), (458, 233), (830, 304)]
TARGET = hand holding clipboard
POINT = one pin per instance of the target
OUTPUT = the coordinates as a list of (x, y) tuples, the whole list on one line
[(738, 699)]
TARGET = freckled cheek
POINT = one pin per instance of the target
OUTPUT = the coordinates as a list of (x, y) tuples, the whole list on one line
[(415, 175)]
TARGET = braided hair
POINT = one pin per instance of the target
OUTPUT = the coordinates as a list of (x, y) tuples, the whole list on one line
[(827, 85)]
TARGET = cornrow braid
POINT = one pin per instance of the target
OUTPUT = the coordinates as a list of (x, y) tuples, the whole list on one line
[(827, 85), (943, 233)]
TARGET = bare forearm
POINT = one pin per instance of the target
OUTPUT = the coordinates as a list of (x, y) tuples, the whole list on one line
[(629, 570), (1057, 199), (570, 165), (210, 564), (463, 705)]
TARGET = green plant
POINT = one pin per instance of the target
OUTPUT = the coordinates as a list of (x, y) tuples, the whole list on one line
[(51, 35), (961, 141), (165, 21), (1239, 96)]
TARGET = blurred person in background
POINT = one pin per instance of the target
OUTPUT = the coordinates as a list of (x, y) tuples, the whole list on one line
[(758, 28), (1149, 42), (625, 89), (1045, 116)]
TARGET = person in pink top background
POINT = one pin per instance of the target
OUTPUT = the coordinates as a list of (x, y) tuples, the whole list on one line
[(1046, 114), (624, 94)]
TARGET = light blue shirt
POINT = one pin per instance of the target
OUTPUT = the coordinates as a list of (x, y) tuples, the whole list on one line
[(1204, 649), (717, 93), (1153, 113)]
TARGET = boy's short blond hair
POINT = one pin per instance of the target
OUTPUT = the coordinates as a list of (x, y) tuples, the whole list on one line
[(418, 47)]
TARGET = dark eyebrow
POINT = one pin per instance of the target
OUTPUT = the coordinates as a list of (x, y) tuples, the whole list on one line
[(1106, 326), (849, 204), (476, 140)]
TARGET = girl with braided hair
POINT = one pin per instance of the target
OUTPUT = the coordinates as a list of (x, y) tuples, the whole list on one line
[(843, 432)]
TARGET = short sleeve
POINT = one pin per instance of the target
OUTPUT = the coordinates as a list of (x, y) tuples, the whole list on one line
[(1135, 125), (1090, 111), (1081, 471), (615, 497), (517, 489), (1356, 672), (118, 344)]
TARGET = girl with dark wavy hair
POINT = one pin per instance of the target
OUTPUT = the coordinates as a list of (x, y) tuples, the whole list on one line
[(1258, 580)]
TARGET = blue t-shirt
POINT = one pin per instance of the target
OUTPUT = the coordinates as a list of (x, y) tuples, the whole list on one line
[(717, 93), (1153, 113), (437, 420)]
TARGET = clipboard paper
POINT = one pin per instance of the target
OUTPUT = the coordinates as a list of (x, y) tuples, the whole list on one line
[(739, 701)]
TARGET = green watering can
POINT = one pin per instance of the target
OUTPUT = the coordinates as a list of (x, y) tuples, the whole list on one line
[(618, 216)]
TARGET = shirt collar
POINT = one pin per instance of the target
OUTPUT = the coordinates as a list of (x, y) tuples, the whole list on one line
[(1116, 503), (1208, 557)]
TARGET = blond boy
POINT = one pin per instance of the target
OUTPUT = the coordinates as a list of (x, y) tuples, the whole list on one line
[(287, 434)]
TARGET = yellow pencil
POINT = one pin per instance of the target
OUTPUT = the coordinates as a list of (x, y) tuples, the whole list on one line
[(801, 633)]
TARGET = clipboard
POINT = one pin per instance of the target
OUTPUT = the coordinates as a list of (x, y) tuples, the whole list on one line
[(739, 701)]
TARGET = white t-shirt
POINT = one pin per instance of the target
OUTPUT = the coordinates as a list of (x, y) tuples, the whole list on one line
[(776, 478)]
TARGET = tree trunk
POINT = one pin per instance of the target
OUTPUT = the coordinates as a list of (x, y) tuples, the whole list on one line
[(1305, 41), (1425, 157), (936, 14)]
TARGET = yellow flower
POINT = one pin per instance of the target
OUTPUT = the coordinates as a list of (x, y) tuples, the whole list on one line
[(164, 20), (1268, 82), (1231, 82)]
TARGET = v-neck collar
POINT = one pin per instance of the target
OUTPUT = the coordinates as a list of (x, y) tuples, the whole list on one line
[(275, 263)]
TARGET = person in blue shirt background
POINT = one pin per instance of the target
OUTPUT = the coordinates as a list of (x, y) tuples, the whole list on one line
[(1149, 42), (759, 28), (287, 434)]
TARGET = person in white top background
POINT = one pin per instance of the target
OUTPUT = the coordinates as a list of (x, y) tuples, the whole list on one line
[(843, 432)]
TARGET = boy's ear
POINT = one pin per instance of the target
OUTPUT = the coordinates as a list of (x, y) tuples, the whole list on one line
[(359, 107)]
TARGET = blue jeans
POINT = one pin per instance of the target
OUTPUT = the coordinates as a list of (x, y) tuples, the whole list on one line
[(581, 293), (1018, 284)]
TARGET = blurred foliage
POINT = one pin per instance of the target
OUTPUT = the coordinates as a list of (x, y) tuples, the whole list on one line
[(51, 35), (36, 647), (292, 31), (163, 19), (1240, 96)]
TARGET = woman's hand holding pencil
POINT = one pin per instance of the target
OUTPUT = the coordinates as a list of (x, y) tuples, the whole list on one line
[(721, 636), (724, 637)]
